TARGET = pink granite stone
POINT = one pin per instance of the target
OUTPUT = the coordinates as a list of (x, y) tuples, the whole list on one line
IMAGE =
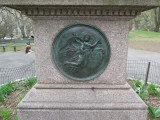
[(46, 31), (82, 104), (36, 114)]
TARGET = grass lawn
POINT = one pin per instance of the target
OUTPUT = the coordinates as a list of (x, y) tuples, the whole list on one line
[(9, 47), (143, 40)]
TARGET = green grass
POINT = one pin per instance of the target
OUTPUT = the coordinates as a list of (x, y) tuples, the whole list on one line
[(12, 94), (9, 47), (143, 89), (143, 34), (154, 111), (20, 98), (158, 92), (5, 113), (5, 90), (152, 89), (8, 88), (146, 93), (144, 40), (30, 81), (15, 118)]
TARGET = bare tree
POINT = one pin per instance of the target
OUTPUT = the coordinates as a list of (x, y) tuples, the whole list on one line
[(12, 20), (157, 19), (22, 22), (7, 24), (144, 21)]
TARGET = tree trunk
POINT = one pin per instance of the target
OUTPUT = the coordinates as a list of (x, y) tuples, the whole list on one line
[(136, 24), (22, 31), (157, 19), (130, 26)]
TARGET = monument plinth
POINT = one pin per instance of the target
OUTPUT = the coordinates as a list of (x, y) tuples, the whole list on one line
[(81, 54)]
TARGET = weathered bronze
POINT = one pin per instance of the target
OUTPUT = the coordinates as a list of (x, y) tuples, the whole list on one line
[(81, 52)]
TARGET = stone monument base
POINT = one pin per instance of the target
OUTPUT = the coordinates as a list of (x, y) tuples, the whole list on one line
[(106, 103)]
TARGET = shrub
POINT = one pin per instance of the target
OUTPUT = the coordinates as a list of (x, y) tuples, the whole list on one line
[(142, 95), (151, 89), (158, 92), (5, 90), (30, 81), (140, 89), (155, 112), (1, 97), (137, 83), (15, 118), (5, 113)]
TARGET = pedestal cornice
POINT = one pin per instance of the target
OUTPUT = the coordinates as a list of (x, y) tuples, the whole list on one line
[(81, 11)]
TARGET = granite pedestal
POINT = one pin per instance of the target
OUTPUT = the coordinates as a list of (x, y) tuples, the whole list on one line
[(107, 96)]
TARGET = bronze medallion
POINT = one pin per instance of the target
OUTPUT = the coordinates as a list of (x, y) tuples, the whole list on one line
[(81, 52)]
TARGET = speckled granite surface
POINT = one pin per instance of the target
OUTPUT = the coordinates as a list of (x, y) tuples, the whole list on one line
[(82, 104), (82, 114), (115, 31)]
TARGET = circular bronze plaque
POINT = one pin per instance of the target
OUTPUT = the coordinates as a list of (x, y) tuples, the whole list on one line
[(81, 52)]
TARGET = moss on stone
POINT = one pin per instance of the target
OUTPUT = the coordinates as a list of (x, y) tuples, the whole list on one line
[(82, 2), (132, 2), (111, 2), (120, 2)]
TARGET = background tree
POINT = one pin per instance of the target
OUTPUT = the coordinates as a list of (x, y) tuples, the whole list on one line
[(7, 24), (157, 19), (12, 21), (144, 21)]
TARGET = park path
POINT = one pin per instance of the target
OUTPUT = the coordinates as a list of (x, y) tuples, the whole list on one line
[(143, 55), (138, 64), (15, 59), (16, 65)]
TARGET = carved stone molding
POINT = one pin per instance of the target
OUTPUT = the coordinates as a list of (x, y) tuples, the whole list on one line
[(79, 11)]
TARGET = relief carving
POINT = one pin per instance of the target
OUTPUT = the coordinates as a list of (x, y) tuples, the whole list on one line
[(81, 52)]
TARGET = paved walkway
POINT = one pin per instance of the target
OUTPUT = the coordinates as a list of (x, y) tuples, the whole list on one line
[(13, 59), (16, 65), (143, 55), (138, 67)]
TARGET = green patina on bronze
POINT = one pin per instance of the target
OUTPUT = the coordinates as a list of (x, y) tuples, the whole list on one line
[(81, 52)]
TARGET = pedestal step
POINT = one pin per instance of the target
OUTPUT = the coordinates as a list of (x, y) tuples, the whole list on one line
[(82, 104)]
